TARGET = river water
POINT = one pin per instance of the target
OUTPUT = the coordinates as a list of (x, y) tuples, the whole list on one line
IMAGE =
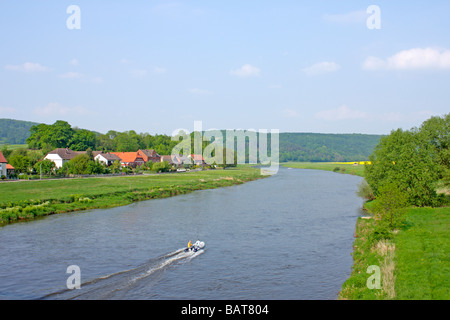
[(285, 237)]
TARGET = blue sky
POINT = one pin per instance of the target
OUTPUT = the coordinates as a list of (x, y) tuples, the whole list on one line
[(159, 65)]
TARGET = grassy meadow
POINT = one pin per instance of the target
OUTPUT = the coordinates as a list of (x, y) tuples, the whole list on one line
[(13, 146), (340, 167), (25, 200), (414, 264)]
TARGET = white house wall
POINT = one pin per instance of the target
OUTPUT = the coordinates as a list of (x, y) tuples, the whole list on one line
[(56, 159)]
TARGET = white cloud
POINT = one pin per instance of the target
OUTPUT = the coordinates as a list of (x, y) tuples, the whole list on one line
[(321, 68), (55, 109), (413, 59), (246, 70), (359, 16), (27, 67), (199, 91), (341, 113)]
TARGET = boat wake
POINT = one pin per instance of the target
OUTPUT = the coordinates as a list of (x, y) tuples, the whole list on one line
[(122, 284)]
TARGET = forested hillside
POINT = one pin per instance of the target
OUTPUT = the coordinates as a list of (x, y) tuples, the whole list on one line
[(326, 147), (14, 131), (314, 147)]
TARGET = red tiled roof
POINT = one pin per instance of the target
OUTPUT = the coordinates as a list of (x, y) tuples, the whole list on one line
[(197, 157), (9, 167), (128, 157), (2, 158), (148, 154)]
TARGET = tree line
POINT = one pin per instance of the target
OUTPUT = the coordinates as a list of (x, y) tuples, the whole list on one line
[(408, 167), (62, 135)]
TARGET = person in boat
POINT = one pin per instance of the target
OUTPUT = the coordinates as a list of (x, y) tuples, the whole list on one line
[(189, 245)]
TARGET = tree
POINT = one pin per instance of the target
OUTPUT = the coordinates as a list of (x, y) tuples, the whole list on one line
[(402, 158), (20, 162), (389, 205), (57, 135), (47, 166), (163, 166), (436, 132), (79, 164), (364, 190), (116, 167), (95, 167), (83, 139), (60, 134), (126, 142), (227, 153)]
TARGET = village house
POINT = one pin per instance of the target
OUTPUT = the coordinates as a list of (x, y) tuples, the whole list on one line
[(197, 159), (130, 159), (3, 163), (10, 170), (172, 160), (106, 158), (127, 159), (61, 155), (149, 155)]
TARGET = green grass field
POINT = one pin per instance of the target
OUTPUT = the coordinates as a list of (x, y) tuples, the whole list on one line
[(13, 146), (423, 255), (421, 261), (24, 200), (328, 166)]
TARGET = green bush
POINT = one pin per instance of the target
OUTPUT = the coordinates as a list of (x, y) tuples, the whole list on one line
[(365, 191)]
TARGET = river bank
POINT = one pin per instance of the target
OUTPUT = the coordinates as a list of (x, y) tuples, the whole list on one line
[(413, 262), (353, 169), (34, 199)]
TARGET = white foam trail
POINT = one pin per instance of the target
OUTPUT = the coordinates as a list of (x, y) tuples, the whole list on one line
[(177, 255)]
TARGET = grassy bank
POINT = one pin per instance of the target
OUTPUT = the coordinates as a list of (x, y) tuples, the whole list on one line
[(414, 264), (26, 200), (328, 166)]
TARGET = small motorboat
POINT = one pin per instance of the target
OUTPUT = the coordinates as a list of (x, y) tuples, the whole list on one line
[(199, 245)]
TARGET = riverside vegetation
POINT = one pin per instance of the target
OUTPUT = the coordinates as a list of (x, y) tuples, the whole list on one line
[(27, 200), (406, 231), (406, 187)]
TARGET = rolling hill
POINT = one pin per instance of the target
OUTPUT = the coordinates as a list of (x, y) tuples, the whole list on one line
[(311, 147), (14, 131)]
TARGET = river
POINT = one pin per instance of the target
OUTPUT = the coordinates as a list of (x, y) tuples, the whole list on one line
[(285, 237)]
